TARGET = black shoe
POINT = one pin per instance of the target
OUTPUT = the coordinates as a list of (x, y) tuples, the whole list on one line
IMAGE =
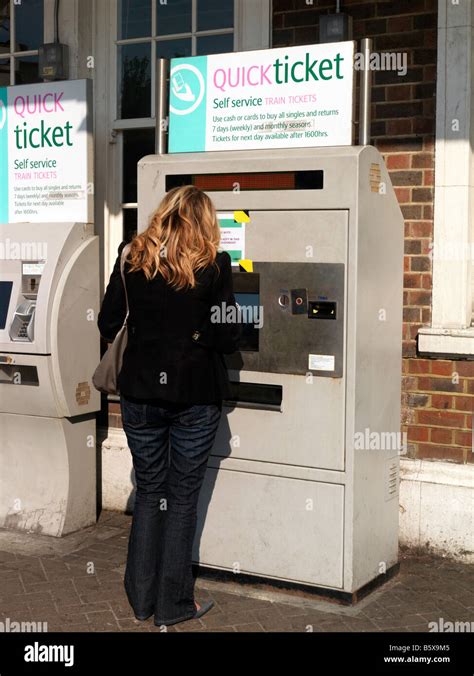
[(142, 618), (205, 607)]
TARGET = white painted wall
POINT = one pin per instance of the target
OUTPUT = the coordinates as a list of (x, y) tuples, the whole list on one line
[(437, 507)]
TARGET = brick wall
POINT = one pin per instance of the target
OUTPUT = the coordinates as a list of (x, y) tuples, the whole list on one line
[(438, 395), (438, 399)]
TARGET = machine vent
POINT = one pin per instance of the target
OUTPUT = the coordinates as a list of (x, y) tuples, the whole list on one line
[(392, 478)]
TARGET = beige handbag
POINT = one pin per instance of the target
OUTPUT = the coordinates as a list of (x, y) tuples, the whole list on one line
[(106, 374)]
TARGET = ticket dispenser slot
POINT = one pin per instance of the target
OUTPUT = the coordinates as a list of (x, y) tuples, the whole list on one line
[(322, 309), (255, 395), (17, 374)]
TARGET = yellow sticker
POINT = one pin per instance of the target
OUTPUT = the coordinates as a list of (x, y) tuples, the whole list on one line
[(375, 177), (246, 264), (241, 217)]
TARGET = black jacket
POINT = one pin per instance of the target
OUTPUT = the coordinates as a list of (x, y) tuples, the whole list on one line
[(174, 352)]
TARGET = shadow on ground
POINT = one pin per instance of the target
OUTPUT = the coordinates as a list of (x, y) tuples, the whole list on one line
[(75, 583)]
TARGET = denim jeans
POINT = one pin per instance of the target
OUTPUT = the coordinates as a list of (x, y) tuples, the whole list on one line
[(170, 446)]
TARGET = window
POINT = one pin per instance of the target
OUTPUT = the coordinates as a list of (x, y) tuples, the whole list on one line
[(148, 30), (21, 33)]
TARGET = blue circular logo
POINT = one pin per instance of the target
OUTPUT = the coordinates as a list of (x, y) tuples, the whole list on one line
[(186, 89)]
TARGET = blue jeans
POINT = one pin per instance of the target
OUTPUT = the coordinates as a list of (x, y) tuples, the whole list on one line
[(170, 446)]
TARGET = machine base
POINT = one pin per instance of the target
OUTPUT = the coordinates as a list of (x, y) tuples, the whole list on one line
[(299, 590), (48, 477)]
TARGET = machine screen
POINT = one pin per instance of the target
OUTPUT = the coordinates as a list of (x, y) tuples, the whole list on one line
[(251, 180), (250, 310), (5, 294)]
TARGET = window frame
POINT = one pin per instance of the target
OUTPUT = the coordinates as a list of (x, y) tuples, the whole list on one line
[(140, 123), (12, 55)]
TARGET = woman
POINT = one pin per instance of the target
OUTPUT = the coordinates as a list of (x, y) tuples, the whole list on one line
[(172, 383)]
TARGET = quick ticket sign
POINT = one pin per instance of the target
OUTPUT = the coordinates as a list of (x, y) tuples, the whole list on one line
[(45, 152), (273, 98)]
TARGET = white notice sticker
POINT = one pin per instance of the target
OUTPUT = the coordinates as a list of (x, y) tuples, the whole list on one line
[(321, 362), (33, 268)]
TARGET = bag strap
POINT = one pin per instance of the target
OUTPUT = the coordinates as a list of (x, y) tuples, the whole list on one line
[(125, 251)]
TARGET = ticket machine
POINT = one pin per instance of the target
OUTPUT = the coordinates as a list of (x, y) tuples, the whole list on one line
[(302, 483), (49, 299)]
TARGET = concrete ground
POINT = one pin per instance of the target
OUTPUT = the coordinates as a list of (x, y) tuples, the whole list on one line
[(45, 579)]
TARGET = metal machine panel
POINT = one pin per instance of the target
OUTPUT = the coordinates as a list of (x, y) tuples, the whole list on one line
[(288, 337), (298, 236), (291, 250), (26, 382), (73, 314), (287, 528), (316, 406)]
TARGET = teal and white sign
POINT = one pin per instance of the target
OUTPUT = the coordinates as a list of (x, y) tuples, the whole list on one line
[(272, 98), (45, 153), (3, 156), (232, 236)]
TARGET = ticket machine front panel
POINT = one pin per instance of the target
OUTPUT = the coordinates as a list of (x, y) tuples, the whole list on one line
[(49, 347), (291, 362)]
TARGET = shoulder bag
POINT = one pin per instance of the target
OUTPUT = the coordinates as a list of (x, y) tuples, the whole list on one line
[(106, 374)]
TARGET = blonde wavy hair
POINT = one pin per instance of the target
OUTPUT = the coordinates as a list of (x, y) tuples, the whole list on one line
[(183, 236)]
